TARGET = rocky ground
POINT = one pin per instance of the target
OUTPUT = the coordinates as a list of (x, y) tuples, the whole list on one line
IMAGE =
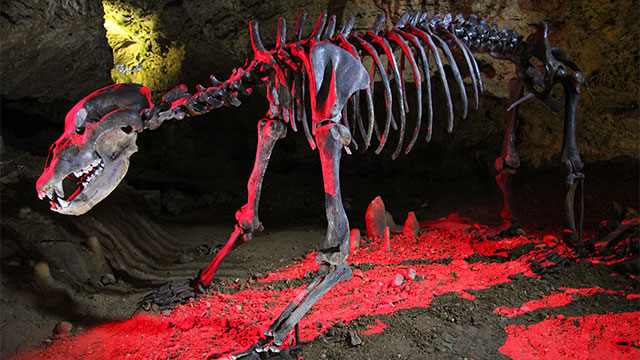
[(70, 286), (448, 294), (455, 292)]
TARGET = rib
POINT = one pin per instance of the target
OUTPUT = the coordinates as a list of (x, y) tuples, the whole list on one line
[(456, 74), (394, 66), (427, 75), (358, 117), (345, 122), (352, 126), (372, 119), (385, 81), (476, 68), (395, 36), (467, 54), (425, 63), (427, 38), (343, 43), (296, 94), (474, 20), (290, 75), (305, 124), (293, 72), (372, 74)]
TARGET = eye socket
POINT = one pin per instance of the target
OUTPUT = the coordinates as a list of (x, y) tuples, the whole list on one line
[(127, 129), (80, 130)]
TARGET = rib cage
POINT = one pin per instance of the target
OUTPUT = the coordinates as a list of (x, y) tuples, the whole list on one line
[(414, 38)]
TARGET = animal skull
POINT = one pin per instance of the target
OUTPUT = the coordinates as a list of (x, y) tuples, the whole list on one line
[(92, 156)]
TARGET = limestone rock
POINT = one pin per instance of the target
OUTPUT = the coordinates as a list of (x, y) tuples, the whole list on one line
[(376, 218), (411, 226), (354, 239), (53, 50)]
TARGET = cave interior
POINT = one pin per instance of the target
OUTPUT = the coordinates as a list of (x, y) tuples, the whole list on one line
[(175, 208)]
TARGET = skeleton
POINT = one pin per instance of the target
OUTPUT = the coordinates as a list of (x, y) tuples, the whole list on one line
[(326, 70)]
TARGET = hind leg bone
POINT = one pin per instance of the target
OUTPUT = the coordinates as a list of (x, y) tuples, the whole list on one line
[(508, 161)]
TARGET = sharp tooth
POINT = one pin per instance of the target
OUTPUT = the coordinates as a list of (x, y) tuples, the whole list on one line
[(77, 173), (58, 190), (63, 203)]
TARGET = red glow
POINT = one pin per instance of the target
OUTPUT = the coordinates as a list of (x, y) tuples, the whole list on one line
[(587, 337), (376, 328), (554, 300), (382, 285)]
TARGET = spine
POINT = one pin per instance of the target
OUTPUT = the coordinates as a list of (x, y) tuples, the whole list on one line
[(474, 32), (479, 37)]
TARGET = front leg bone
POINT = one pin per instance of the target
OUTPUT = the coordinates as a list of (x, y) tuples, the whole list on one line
[(269, 132), (331, 138)]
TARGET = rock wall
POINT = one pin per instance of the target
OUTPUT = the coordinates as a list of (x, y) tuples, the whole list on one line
[(52, 50), (57, 50)]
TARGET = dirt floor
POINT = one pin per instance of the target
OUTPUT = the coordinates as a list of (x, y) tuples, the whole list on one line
[(455, 292)]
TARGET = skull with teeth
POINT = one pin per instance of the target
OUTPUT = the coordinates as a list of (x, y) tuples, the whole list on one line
[(92, 156)]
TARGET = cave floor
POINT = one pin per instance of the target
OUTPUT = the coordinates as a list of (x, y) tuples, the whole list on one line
[(455, 292)]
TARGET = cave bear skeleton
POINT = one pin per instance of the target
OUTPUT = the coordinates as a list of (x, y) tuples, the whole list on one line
[(324, 76)]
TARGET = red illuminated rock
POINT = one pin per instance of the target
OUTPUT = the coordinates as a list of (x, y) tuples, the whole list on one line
[(411, 226), (375, 218), (62, 328), (354, 239), (387, 239), (398, 280)]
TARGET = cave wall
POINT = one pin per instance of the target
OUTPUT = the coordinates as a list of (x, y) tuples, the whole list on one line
[(55, 52)]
